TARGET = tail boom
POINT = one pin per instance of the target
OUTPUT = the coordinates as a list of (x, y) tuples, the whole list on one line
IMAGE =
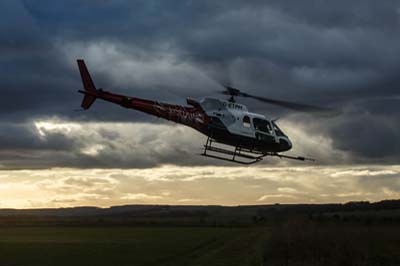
[(193, 116)]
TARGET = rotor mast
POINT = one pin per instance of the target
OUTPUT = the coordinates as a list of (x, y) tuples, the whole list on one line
[(232, 92)]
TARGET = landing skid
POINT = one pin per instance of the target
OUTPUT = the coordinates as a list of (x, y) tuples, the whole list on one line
[(241, 155)]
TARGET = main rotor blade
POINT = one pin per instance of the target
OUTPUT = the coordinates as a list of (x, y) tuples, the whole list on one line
[(234, 92), (290, 105)]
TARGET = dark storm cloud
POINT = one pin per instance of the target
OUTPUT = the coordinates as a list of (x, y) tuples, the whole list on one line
[(341, 54), (22, 136)]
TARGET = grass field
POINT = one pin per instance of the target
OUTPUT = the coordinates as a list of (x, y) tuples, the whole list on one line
[(292, 244), (129, 246)]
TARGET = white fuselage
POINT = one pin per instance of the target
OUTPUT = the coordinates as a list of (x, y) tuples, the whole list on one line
[(239, 121)]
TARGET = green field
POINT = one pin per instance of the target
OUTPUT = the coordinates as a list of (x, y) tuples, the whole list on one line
[(129, 246)]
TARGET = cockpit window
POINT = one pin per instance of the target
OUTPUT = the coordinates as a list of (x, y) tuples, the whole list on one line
[(278, 131), (246, 121), (262, 125)]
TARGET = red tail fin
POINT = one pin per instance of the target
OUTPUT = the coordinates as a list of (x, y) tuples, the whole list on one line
[(87, 84)]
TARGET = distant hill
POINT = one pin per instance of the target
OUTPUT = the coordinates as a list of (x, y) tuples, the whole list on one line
[(386, 210)]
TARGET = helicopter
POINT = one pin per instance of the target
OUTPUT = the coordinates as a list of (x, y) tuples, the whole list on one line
[(233, 133)]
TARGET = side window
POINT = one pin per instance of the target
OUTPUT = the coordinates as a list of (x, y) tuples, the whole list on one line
[(246, 121)]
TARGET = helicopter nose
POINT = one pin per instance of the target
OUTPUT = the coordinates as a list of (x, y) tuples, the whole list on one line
[(289, 144), (286, 144)]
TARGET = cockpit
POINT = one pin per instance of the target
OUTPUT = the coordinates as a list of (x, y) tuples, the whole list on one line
[(262, 125), (278, 131), (265, 130), (269, 127)]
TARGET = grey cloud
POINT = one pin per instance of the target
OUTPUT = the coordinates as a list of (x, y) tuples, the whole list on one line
[(360, 137), (58, 143), (376, 184), (369, 135), (321, 52)]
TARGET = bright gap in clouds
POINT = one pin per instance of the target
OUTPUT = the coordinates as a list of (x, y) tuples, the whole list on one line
[(62, 187), (144, 163), (47, 126), (169, 143)]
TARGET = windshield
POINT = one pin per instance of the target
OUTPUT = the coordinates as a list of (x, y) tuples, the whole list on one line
[(262, 125), (278, 131)]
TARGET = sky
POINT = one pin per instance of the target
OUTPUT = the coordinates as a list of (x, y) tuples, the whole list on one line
[(335, 54)]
